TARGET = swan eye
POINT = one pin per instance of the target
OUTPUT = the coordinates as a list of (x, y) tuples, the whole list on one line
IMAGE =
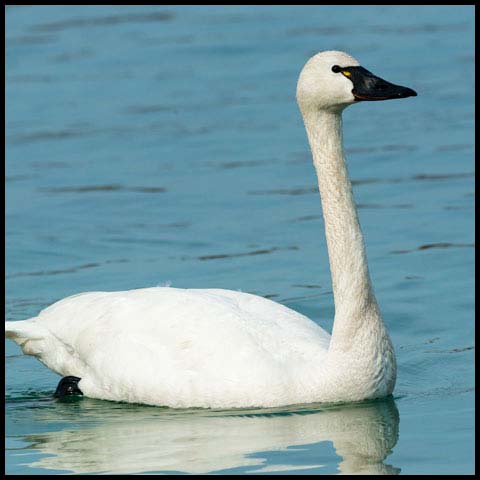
[(336, 69)]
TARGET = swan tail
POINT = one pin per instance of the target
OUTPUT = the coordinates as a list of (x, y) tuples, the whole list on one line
[(28, 334)]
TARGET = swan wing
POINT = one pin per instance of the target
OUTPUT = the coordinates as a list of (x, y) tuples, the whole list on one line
[(178, 347)]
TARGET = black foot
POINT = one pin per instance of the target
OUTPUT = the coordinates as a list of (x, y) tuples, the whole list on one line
[(67, 386)]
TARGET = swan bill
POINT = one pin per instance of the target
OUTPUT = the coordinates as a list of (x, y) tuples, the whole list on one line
[(367, 86)]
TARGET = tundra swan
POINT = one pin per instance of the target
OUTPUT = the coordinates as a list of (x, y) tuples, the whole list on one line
[(226, 349)]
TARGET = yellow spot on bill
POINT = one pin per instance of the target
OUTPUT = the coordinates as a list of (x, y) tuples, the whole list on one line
[(347, 74)]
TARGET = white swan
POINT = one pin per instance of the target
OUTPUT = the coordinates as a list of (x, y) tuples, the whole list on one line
[(224, 349)]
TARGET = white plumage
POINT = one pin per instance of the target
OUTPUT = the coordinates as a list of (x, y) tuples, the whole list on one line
[(179, 347), (221, 348)]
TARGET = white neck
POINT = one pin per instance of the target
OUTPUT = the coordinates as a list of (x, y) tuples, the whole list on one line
[(352, 289)]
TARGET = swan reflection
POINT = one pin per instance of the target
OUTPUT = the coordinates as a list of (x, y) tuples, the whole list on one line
[(133, 439)]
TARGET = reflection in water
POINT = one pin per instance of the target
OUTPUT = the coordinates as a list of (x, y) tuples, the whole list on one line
[(134, 439)]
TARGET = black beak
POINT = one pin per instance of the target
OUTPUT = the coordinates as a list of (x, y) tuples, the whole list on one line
[(367, 86)]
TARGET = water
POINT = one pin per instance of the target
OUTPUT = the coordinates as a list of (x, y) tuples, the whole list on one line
[(152, 145)]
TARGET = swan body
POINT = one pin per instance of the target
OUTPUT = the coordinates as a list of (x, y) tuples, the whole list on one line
[(225, 349)]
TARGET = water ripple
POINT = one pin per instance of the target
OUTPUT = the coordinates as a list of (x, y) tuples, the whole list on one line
[(245, 254), (102, 21), (146, 109), (114, 187), (73, 269), (427, 28), (428, 246), (418, 177), (30, 40), (453, 350)]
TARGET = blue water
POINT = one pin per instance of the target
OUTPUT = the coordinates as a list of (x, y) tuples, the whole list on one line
[(155, 145)]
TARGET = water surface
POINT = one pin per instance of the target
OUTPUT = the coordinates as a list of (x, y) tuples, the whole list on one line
[(157, 145)]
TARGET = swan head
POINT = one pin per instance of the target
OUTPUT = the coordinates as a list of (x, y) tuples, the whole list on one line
[(333, 80)]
